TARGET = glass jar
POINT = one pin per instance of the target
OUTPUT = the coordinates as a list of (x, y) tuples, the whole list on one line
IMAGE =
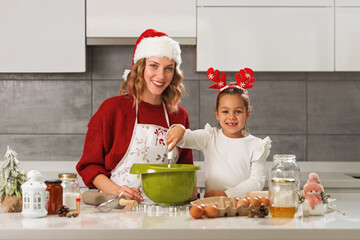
[(284, 185), (55, 195), (71, 189)]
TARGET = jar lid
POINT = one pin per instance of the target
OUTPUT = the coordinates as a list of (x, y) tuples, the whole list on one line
[(283, 180), (68, 176), (284, 157), (53, 181)]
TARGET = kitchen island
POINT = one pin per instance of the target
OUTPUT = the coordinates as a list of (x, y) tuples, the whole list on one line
[(169, 223)]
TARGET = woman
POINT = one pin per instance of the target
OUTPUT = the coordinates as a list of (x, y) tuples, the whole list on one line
[(131, 128)]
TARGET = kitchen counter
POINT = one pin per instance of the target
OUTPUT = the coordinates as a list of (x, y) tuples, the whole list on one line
[(165, 223)]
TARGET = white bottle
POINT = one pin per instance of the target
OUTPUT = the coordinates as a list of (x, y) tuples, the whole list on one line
[(71, 189)]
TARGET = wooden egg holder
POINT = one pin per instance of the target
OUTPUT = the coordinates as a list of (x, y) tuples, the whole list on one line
[(226, 206)]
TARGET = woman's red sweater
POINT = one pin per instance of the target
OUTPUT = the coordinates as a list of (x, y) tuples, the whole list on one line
[(110, 131)]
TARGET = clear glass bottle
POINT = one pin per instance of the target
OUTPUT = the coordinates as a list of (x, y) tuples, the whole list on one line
[(284, 185), (71, 189)]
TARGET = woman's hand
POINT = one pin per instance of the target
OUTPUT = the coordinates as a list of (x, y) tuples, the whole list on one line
[(104, 184), (131, 193), (174, 135), (214, 193)]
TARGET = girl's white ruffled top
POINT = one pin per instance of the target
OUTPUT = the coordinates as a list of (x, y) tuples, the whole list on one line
[(233, 165)]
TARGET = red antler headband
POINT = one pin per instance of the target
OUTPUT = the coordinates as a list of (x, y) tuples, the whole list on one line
[(244, 79)]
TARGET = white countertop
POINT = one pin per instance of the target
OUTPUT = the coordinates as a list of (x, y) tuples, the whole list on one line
[(165, 224)]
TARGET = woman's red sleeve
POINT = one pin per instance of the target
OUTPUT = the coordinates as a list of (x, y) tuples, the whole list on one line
[(92, 162)]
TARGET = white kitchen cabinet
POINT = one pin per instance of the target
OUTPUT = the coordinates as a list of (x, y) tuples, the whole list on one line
[(111, 19), (286, 36), (265, 3), (347, 35), (42, 36)]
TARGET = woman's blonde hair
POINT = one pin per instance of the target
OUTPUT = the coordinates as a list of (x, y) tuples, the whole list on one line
[(135, 83)]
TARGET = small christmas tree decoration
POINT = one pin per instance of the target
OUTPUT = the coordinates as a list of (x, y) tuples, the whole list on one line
[(11, 177)]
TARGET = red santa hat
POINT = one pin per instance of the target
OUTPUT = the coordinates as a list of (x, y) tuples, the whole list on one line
[(152, 43), (313, 184)]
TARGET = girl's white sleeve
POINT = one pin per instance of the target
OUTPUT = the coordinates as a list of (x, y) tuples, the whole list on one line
[(197, 139), (257, 178)]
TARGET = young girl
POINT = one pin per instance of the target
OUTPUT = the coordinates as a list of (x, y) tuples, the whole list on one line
[(234, 159), (131, 128)]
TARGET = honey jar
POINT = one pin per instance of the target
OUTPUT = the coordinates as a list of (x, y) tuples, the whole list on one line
[(55, 195), (284, 182), (283, 197)]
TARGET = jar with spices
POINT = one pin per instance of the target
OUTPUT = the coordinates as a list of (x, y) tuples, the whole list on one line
[(284, 185), (55, 191), (71, 189)]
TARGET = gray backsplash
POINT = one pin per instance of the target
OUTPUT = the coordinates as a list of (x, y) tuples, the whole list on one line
[(313, 115)]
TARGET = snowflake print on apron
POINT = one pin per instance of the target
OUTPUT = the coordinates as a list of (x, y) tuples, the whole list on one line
[(147, 146)]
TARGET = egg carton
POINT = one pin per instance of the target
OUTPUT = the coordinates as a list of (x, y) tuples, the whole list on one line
[(226, 206)]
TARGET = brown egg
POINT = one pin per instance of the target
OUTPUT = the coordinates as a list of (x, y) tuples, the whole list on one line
[(265, 200), (211, 211), (255, 201), (202, 205), (242, 202), (196, 211)]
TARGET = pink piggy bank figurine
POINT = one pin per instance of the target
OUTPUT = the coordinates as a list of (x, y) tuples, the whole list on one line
[(313, 204)]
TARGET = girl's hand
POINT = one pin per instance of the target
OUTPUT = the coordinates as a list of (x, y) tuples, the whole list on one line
[(174, 135), (131, 193), (194, 195), (214, 193)]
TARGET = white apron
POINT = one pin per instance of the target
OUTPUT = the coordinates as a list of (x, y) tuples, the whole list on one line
[(147, 145)]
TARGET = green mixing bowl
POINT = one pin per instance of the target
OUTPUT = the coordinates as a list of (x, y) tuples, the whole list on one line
[(165, 185)]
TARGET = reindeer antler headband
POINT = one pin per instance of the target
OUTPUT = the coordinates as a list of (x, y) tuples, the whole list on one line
[(244, 79)]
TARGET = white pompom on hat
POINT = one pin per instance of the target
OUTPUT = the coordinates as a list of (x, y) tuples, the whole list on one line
[(152, 43)]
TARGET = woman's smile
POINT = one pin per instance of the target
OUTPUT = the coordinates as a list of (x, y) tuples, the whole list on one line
[(158, 84), (158, 74)]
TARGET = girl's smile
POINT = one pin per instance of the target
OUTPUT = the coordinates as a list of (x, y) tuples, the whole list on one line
[(232, 115)]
